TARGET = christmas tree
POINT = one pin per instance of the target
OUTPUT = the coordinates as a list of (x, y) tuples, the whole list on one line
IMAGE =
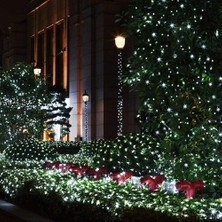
[(176, 70), (57, 114), (22, 97)]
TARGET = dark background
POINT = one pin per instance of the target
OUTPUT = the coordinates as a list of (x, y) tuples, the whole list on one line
[(12, 11)]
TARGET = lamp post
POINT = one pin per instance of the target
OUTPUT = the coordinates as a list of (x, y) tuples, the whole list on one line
[(85, 98), (120, 43), (37, 70)]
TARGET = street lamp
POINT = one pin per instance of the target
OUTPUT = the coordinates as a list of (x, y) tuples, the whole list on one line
[(37, 70), (120, 43), (85, 98)]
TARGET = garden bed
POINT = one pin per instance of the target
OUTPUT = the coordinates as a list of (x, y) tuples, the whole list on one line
[(63, 196), (127, 179)]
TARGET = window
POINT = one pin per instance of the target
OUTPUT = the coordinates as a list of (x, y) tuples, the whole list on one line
[(59, 54), (49, 57), (41, 50), (32, 45)]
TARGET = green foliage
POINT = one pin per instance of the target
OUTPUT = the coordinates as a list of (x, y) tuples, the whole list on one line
[(22, 97), (29, 149), (120, 201), (193, 166), (57, 210), (76, 159), (71, 147), (139, 153), (176, 69)]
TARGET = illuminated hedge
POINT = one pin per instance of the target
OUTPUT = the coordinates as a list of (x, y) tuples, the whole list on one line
[(110, 196), (29, 149), (136, 152)]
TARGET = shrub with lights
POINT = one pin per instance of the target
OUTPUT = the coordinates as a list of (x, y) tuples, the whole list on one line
[(22, 97), (140, 154), (66, 147), (30, 149), (136, 152), (65, 144), (176, 70), (115, 198), (174, 167)]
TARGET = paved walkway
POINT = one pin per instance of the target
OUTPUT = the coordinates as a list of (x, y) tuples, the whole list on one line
[(12, 213)]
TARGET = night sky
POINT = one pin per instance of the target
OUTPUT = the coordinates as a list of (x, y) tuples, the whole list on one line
[(12, 11)]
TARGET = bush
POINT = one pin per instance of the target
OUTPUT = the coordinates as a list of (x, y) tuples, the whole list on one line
[(136, 152), (195, 166), (30, 149), (66, 147)]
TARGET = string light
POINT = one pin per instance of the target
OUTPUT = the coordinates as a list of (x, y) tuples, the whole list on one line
[(120, 43), (85, 98), (120, 97), (176, 62), (22, 97)]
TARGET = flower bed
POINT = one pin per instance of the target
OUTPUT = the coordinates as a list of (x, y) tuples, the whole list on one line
[(137, 180), (153, 183), (106, 196)]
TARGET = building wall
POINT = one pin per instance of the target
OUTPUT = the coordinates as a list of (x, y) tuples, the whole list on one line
[(93, 67), (14, 44), (80, 55), (49, 15)]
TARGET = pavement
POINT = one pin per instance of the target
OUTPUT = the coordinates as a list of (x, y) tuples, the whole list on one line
[(12, 213)]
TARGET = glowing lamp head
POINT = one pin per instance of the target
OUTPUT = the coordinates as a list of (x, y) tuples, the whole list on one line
[(37, 71), (85, 97), (120, 41)]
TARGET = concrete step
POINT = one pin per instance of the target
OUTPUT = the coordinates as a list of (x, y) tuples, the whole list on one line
[(12, 213)]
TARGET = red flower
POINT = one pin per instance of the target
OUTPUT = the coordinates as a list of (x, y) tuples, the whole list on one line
[(66, 167), (121, 177), (97, 173), (50, 165), (152, 183), (103, 170), (78, 170), (159, 179), (190, 188)]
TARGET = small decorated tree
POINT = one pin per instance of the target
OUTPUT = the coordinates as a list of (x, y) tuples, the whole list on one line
[(57, 114), (22, 97)]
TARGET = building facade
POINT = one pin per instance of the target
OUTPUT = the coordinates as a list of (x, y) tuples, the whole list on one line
[(73, 43)]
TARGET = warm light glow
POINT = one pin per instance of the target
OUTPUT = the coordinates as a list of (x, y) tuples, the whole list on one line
[(120, 41), (37, 71), (85, 97)]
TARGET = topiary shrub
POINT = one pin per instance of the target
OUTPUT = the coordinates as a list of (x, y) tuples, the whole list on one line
[(30, 149)]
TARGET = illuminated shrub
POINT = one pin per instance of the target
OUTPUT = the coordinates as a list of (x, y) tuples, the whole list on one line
[(69, 151), (136, 152), (30, 149), (193, 166), (66, 147)]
